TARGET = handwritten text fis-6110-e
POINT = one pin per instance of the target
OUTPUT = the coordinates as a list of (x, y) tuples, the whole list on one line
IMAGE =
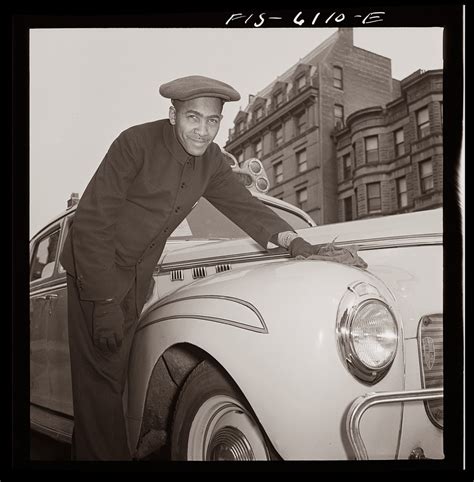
[(300, 19)]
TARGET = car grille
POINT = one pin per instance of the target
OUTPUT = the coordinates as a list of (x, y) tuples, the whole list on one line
[(220, 268), (430, 346), (200, 272), (177, 275)]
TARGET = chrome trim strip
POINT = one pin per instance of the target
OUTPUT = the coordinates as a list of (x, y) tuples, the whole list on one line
[(34, 292), (361, 404), (263, 255), (237, 324), (367, 246), (212, 261)]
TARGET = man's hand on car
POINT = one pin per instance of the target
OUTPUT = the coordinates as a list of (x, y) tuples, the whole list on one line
[(301, 249)]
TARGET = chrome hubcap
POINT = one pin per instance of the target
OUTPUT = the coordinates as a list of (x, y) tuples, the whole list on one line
[(223, 430), (229, 443)]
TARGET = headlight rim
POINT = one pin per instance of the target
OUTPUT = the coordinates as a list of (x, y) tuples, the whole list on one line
[(351, 303)]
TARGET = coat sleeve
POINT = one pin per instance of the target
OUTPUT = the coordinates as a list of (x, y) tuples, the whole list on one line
[(93, 229), (228, 194)]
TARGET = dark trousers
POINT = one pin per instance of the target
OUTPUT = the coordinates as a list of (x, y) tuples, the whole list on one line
[(98, 381)]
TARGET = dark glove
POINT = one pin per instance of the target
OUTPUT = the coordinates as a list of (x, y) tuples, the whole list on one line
[(300, 247), (108, 320)]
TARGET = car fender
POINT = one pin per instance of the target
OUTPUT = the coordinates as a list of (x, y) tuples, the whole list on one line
[(415, 277), (272, 327)]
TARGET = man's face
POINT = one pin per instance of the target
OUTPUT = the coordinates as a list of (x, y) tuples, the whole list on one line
[(196, 123)]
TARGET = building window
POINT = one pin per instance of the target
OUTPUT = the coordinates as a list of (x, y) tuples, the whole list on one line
[(240, 158), (278, 136), (300, 123), (399, 142), (422, 123), (402, 195), (259, 113), (338, 77), (278, 98), (338, 116), (346, 166), (240, 127), (372, 149), (348, 208), (278, 172), (258, 149), (301, 83), (302, 198), (441, 112), (301, 160), (426, 176), (354, 154), (374, 200)]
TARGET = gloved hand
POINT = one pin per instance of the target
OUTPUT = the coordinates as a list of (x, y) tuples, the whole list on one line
[(346, 255), (300, 247), (108, 320)]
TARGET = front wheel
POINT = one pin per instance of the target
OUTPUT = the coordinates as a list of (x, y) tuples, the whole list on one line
[(211, 421)]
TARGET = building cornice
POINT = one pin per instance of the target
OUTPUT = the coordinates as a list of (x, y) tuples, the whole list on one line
[(310, 93)]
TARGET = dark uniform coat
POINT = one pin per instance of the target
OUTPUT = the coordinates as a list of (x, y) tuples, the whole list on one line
[(142, 190)]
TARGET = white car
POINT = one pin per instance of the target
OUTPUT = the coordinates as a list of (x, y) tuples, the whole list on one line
[(245, 354)]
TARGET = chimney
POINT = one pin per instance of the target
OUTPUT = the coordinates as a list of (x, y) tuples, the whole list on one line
[(347, 34), (73, 200)]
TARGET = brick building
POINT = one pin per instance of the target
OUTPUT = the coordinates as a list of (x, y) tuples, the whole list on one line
[(290, 124), (390, 158)]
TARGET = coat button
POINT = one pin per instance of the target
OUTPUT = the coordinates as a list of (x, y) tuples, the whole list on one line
[(183, 185), (178, 209)]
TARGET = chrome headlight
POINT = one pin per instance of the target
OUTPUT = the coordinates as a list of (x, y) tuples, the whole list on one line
[(367, 332)]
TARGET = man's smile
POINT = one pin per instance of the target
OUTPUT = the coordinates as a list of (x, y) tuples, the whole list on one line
[(199, 141)]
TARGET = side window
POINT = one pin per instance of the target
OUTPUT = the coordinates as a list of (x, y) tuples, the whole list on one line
[(44, 256), (291, 218), (66, 226), (207, 222)]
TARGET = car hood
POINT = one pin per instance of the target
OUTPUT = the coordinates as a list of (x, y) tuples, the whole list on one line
[(412, 270), (365, 233)]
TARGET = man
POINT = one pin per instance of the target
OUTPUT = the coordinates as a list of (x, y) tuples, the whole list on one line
[(145, 186)]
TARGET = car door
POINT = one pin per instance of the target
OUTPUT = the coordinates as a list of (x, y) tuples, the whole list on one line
[(58, 341), (42, 292)]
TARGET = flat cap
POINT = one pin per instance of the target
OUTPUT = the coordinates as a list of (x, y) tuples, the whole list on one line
[(186, 88)]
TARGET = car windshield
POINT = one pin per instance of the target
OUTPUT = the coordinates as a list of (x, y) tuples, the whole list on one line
[(206, 222)]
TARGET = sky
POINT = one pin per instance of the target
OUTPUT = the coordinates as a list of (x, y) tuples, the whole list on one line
[(88, 85)]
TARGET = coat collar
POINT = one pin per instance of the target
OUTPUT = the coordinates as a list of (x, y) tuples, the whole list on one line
[(174, 146)]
